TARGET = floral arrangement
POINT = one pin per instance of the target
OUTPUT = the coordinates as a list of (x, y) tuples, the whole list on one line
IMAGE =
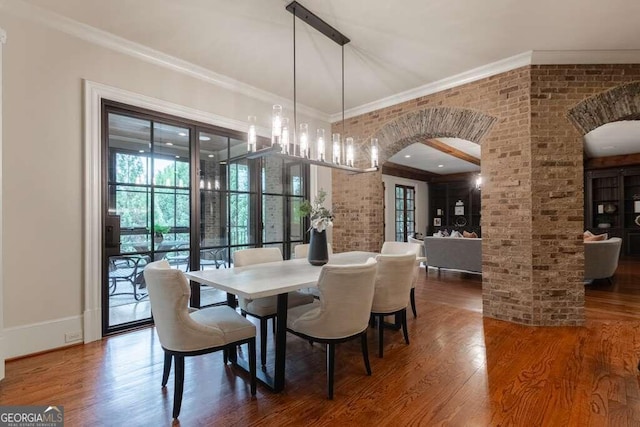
[(321, 217)]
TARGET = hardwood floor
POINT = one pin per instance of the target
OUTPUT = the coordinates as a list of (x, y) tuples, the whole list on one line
[(460, 370)]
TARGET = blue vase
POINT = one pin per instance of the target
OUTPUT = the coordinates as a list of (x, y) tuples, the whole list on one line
[(318, 253)]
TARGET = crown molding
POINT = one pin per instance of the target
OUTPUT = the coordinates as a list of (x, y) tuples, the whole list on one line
[(147, 54), (564, 57), (478, 73)]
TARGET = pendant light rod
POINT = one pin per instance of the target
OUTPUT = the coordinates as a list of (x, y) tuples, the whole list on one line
[(295, 110), (316, 22)]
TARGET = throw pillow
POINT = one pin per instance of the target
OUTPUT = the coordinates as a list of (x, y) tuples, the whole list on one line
[(597, 238), (468, 235), (438, 234), (588, 234), (455, 233)]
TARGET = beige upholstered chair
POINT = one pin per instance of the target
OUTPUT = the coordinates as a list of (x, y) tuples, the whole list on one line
[(342, 314), (396, 248), (188, 332), (601, 258), (417, 242), (264, 308), (301, 250), (393, 284)]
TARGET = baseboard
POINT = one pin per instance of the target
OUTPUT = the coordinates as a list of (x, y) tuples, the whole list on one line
[(43, 336)]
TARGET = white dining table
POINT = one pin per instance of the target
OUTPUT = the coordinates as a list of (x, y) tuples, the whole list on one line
[(269, 279)]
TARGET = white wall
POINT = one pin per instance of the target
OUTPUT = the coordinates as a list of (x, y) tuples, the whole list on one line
[(422, 204), (43, 160)]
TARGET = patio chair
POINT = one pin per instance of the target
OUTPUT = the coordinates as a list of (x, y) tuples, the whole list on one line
[(127, 269)]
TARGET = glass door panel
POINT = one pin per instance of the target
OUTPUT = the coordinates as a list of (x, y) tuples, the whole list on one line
[(148, 181)]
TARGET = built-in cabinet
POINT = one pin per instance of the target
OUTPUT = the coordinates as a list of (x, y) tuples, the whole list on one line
[(454, 206), (612, 205)]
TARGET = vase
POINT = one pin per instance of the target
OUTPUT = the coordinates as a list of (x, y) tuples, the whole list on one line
[(318, 253)]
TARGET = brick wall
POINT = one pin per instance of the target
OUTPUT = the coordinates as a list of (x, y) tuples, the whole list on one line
[(532, 196)]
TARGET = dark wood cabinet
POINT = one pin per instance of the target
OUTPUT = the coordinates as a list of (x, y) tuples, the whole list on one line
[(454, 206), (612, 205)]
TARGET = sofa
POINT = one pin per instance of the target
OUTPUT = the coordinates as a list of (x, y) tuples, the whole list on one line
[(457, 253), (601, 258)]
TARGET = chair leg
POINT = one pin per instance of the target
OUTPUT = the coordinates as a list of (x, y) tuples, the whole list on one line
[(380, 335), (413, 302), (404, 326), (365, 351), (252, 365), (331, 355), (167, 368), (179, 385), (273, 325), (225, 355), (263, 341)]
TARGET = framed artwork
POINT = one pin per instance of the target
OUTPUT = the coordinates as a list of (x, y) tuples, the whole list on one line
[(437, 222), (459, 210)]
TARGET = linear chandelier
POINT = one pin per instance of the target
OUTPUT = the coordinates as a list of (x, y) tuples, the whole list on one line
[(293, 142)]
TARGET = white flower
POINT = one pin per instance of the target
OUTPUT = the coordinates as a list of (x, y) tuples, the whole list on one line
[(319, 216)]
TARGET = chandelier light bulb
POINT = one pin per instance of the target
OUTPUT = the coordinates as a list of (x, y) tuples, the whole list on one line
[(320, 145), (251, 134), (350, 152), (337, 148), (304, 140), (285, 136), (276, 125), (374, 152)]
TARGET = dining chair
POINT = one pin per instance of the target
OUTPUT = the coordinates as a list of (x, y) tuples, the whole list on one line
[(341, 314), (189, 332), (302, 250), (393, 283), (390, 248), (264, 308)]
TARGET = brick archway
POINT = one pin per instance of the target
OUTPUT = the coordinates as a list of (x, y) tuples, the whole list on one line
[(432, 123), (619, 103)]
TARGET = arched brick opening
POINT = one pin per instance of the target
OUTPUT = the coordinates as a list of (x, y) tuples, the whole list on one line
[(443, 122), (620, 103)]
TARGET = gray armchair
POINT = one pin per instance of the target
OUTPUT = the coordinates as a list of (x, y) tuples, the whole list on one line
[(601, 258)]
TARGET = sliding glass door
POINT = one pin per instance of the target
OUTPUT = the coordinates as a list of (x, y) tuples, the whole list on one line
[(186, 193)]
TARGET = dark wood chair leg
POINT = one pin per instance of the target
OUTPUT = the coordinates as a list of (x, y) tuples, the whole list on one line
[(252, 365), (225, 355), (331, 354), (273, 325), (263, 341), (365, 351), (413, 302), (167, 368), (404, 326), (380, 335), (179, 385)]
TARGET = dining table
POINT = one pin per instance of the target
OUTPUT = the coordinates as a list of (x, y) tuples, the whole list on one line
[(271, 279)]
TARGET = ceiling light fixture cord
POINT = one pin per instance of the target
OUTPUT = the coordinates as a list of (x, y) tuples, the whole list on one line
[(295, 112), (343, 134)]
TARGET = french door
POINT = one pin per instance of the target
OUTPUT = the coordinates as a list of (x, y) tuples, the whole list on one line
[(405, 207), (184, 192)]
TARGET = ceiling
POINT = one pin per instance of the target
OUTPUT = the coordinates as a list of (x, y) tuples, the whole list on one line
[(395, 47)]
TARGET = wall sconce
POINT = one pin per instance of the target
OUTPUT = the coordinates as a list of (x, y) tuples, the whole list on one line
[(479, 182)]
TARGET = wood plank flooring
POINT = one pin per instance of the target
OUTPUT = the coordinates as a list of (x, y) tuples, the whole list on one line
[(459, 370)]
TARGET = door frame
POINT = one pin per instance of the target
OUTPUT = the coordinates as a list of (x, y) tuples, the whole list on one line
[(3, 40), (94, 93)]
